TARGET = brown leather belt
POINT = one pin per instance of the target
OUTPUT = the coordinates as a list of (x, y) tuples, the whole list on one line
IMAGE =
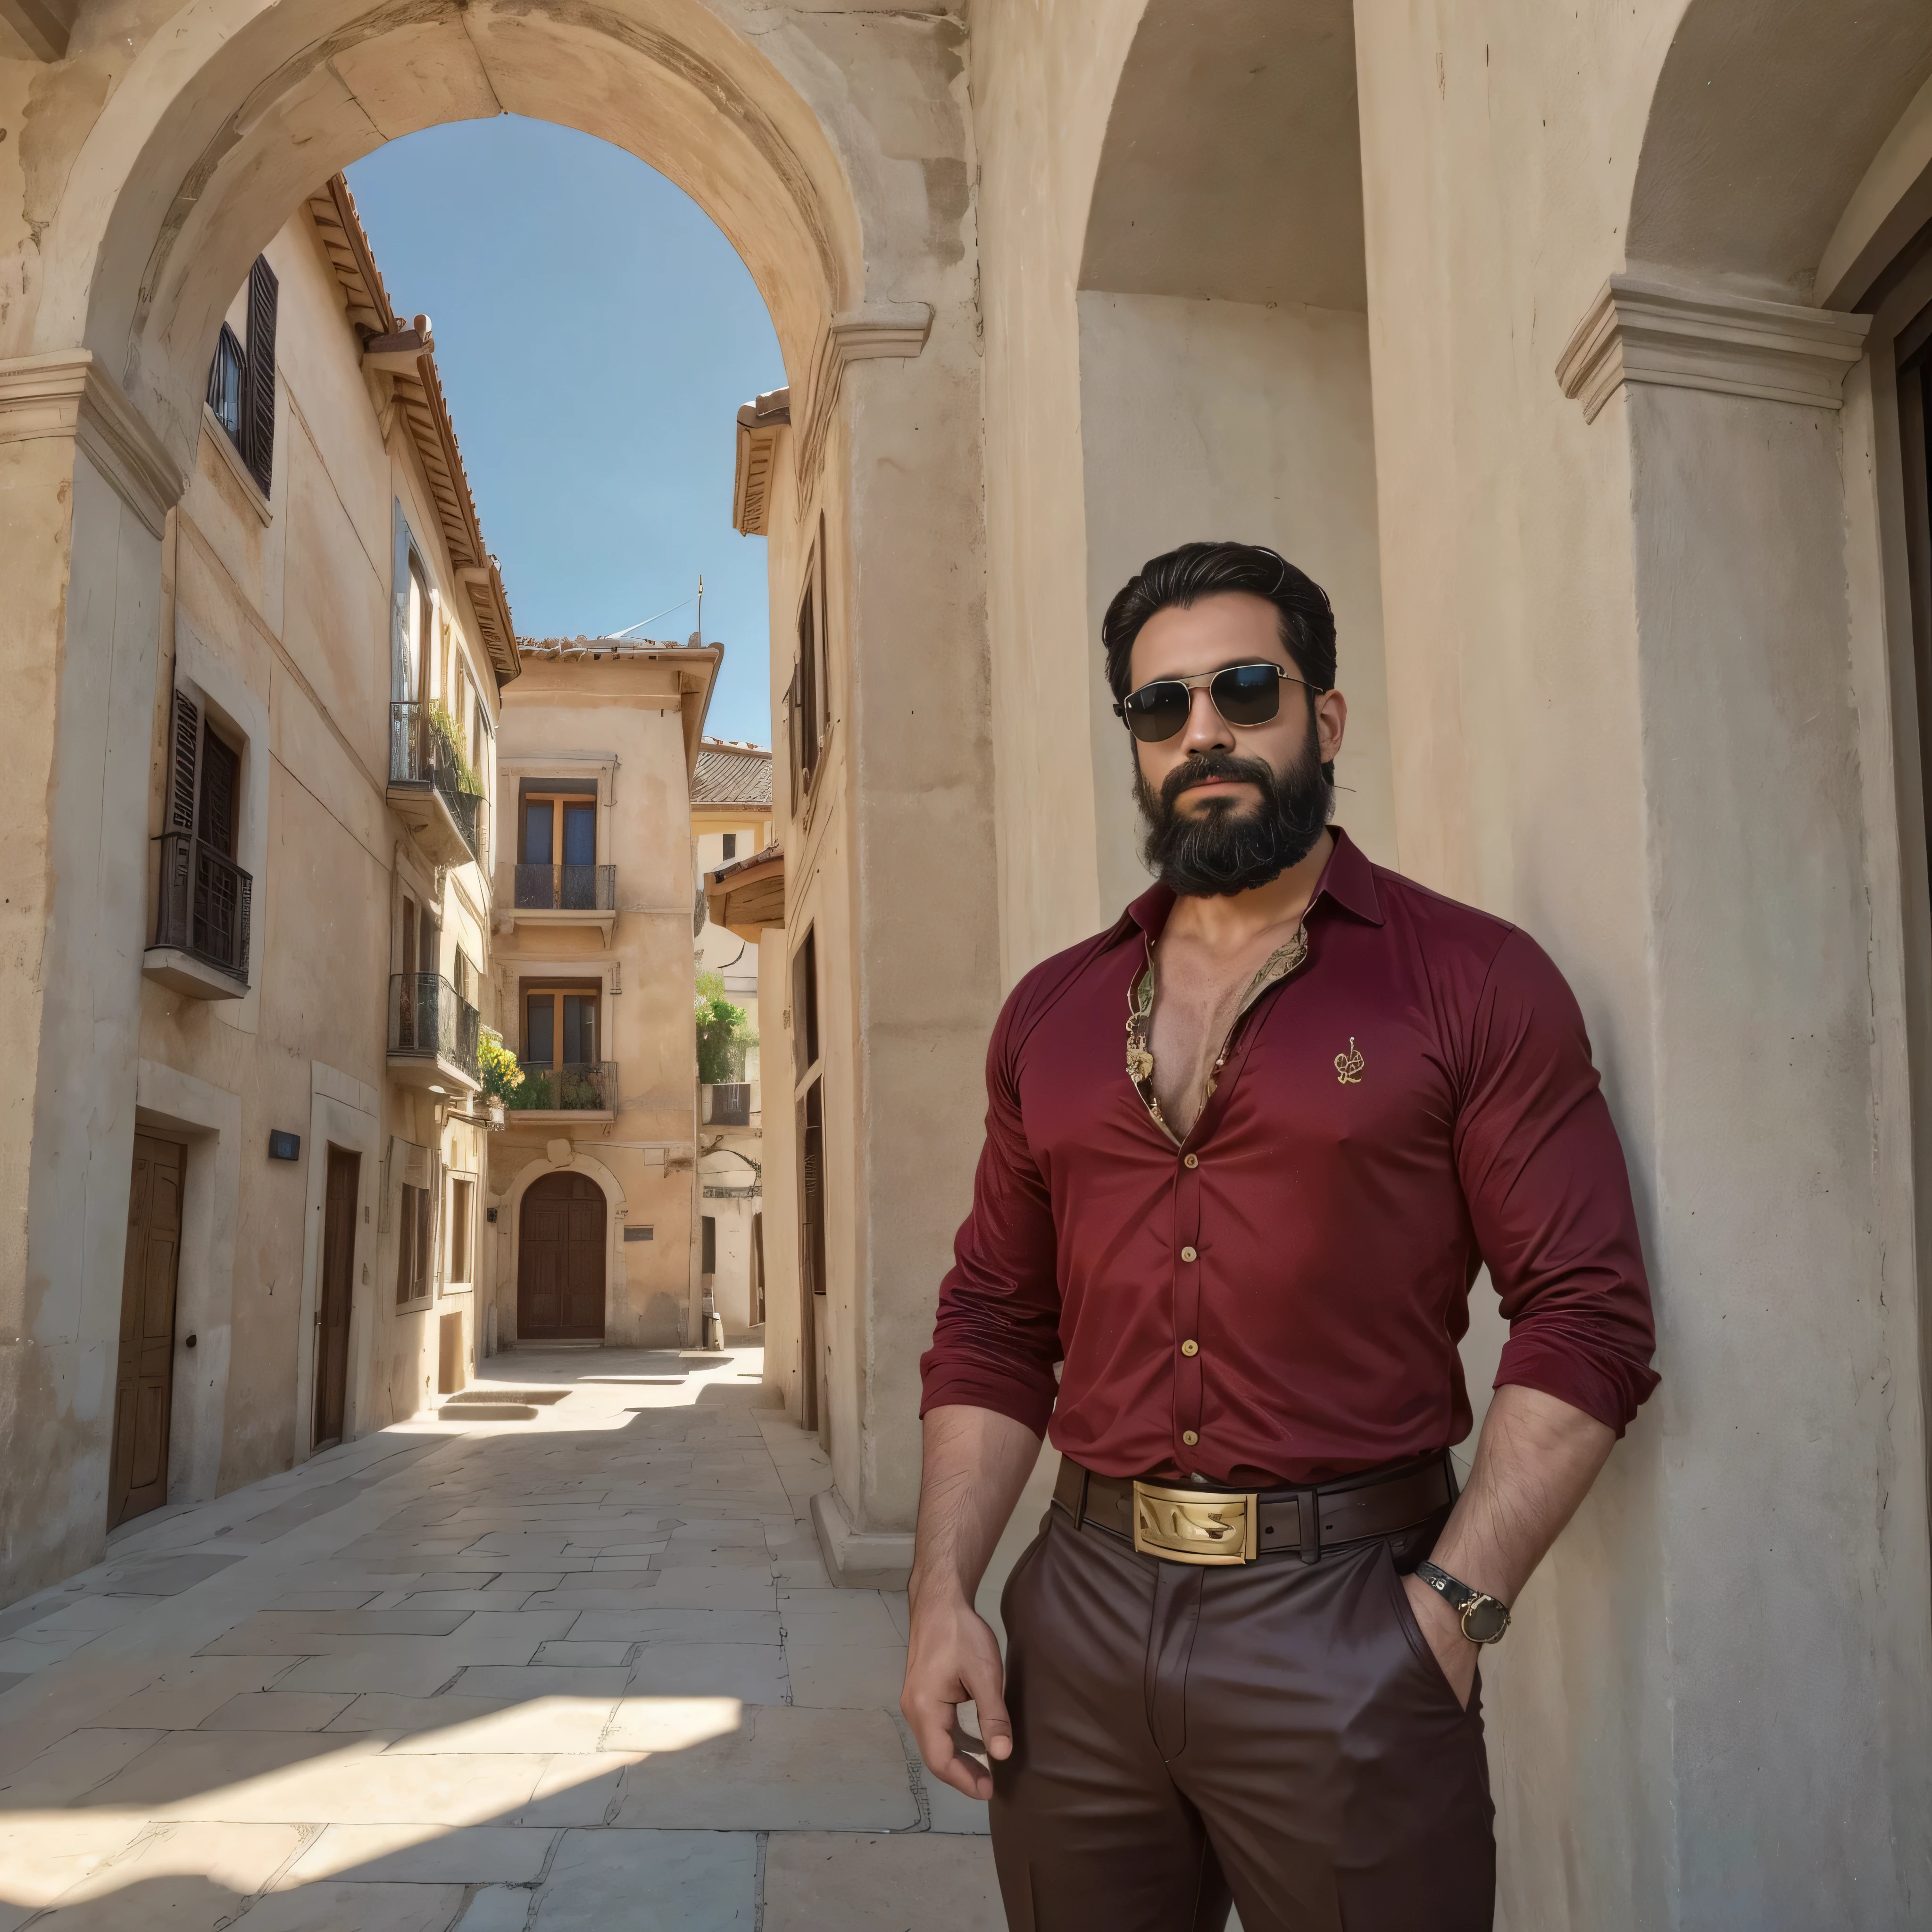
[(1186, 1524)]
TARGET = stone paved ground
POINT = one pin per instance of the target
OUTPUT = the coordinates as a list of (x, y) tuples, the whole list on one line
[(581, 1670)]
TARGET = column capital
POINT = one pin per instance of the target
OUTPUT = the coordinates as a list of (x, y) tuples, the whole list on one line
[(68, 394), (1638, 330), (859, 335)]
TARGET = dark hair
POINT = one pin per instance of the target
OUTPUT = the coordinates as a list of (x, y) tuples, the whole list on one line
[(1197, 570)]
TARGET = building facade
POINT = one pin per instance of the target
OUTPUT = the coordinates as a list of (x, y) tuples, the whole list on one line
[(593, 1179), (1579, 350), (307, 750), (731, 825)]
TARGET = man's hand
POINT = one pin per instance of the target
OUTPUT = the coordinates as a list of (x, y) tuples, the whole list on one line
[(976, 1462), (1443, 1628), (954, 1659)]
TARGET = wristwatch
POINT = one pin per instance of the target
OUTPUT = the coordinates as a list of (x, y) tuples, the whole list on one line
[(1484, 1618)]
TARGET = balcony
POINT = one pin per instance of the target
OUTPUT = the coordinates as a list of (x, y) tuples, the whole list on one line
[(425, 790), (577, 1090), (434, 1035), (558, 895), (201, 933), (724, 1104)]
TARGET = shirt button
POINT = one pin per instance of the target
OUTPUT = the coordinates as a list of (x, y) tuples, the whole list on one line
[(1188, 1436), (1190, 1348), (1187, 1254), (1190, 1160)]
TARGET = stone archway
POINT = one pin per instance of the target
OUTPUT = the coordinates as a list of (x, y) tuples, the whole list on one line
[(154, 164)]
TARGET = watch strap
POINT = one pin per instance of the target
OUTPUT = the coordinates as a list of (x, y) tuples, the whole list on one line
[(1484, 1618)]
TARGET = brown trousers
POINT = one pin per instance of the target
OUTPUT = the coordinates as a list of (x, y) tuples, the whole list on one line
[(1278, 1735)]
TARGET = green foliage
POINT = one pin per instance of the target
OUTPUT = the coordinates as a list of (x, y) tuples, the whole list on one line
[(724, 1033), (501, 1076), (451, 739)]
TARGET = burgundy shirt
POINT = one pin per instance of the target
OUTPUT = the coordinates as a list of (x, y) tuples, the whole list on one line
[(1315, 1236)]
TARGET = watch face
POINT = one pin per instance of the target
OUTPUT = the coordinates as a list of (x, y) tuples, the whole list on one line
[(1484, 1621)]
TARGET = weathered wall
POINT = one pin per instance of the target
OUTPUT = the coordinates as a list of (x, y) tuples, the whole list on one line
[(1232, 419), (1622, 712), (1043, 79), (619, 721)]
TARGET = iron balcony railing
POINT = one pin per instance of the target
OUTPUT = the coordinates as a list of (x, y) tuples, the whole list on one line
[(725, 1104), (420, 754), (427, 1017), (204, 903), (566, 888), (577, 1086)]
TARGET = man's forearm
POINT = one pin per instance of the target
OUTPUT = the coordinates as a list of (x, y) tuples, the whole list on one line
[(976, 1462), (1535, 1461)]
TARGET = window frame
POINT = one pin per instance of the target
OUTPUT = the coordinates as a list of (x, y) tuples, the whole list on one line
[(461, 1232), (415, 1246), (558, 989)]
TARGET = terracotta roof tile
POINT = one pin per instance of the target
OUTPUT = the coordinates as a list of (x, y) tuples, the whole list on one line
[(731, 774)]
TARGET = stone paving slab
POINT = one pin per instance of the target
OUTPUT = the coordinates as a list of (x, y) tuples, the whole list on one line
[(482, 1678), (864, 1883)]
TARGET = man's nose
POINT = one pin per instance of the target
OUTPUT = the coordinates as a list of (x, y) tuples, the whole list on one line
[(1207, 731)]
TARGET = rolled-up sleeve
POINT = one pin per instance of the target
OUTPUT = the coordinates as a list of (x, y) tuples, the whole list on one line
[(1550, 1196), (996, 1338)]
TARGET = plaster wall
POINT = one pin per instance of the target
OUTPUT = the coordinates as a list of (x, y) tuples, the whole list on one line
[(1624, 712), (616, 722), (780, 1155), (1043, 79), (1231, 419)]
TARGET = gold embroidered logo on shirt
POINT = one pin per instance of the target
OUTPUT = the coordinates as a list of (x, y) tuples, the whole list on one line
[(1348, 1066)]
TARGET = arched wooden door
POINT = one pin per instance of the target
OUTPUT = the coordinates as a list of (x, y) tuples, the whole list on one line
[(560, 1260)]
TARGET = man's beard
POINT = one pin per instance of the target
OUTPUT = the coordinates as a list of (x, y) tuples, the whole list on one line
[(1226, 847)]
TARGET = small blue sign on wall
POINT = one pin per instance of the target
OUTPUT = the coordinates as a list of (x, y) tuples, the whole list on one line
[(284, 1146)]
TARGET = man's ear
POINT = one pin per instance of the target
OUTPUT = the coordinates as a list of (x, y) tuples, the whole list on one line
[(1331, 723)]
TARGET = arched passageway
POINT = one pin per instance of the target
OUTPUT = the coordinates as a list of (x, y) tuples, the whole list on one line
[(831, 151)]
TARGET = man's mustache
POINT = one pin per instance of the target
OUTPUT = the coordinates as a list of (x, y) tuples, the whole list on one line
[(1206, 765)]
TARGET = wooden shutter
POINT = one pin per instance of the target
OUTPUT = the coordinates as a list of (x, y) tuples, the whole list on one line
[(258, 377), (221, 783), (186, 742), (792, 736)]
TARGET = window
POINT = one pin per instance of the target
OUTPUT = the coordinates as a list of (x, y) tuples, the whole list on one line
[(560, 1026), (708, 1260), (805, 1004), (466, 977), (204, 896), (415, 1225), (205, 779), (241, 379), (462, 1228), (731, 847), (558, 829)]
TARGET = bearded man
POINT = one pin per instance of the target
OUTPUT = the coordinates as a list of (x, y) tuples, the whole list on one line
[(1246, 1153)]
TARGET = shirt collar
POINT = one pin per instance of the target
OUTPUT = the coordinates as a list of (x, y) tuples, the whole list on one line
[(1348, 878)]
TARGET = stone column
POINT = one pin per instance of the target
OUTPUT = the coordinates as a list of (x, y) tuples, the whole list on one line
[(923, 903), (85, 489), (1722, 1685)]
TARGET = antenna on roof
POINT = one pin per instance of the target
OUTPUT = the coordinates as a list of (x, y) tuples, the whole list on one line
[(700, 608)]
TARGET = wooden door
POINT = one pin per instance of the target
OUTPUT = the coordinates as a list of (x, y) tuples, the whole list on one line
[(560, 1260), (144, 1375), (334, 1295)]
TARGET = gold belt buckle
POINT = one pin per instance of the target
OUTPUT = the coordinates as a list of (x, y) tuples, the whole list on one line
[(1193, 1526)]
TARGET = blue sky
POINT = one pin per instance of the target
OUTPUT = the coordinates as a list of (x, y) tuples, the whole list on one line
[(595, 333)]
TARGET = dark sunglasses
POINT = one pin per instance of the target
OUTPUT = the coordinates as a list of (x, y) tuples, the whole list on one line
[(1248, 694)]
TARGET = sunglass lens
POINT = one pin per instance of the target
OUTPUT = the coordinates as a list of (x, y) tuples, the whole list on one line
[(1247, 694), (1156, 711)]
